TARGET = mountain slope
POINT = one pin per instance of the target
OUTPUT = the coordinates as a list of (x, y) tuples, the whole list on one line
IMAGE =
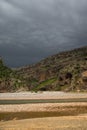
[(63, 71), (66, 71)]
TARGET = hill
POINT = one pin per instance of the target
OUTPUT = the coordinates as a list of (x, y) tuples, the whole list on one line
[(66, 71), (10, 81)]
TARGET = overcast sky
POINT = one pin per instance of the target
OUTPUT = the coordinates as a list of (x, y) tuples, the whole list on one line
[(31, 30)]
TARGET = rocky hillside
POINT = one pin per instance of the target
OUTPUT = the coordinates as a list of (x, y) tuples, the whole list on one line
[(9, 80), (66, 71)]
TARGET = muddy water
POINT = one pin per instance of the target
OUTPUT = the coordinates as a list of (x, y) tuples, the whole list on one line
[(2, 102)]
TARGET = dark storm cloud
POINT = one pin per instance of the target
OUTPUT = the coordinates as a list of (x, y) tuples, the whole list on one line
[(32, 30)]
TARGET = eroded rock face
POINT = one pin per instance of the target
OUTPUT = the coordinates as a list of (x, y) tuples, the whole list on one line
[(83, 81), (84, 74), (84, 77), (43, 76)]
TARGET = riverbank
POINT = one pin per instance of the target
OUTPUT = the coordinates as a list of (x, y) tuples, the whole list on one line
[(41, 95)]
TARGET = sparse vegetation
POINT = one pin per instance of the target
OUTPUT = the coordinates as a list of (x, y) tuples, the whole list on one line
[(43, 85), (9, 79)]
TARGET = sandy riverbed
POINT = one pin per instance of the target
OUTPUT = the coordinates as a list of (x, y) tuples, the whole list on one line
[(76, 122), (40, 107), (55, 123)]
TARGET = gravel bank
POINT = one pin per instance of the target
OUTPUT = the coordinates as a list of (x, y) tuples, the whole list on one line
[(42, 95)]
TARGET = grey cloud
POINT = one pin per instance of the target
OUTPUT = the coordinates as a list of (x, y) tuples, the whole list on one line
[(32, 30), (9, 9)]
